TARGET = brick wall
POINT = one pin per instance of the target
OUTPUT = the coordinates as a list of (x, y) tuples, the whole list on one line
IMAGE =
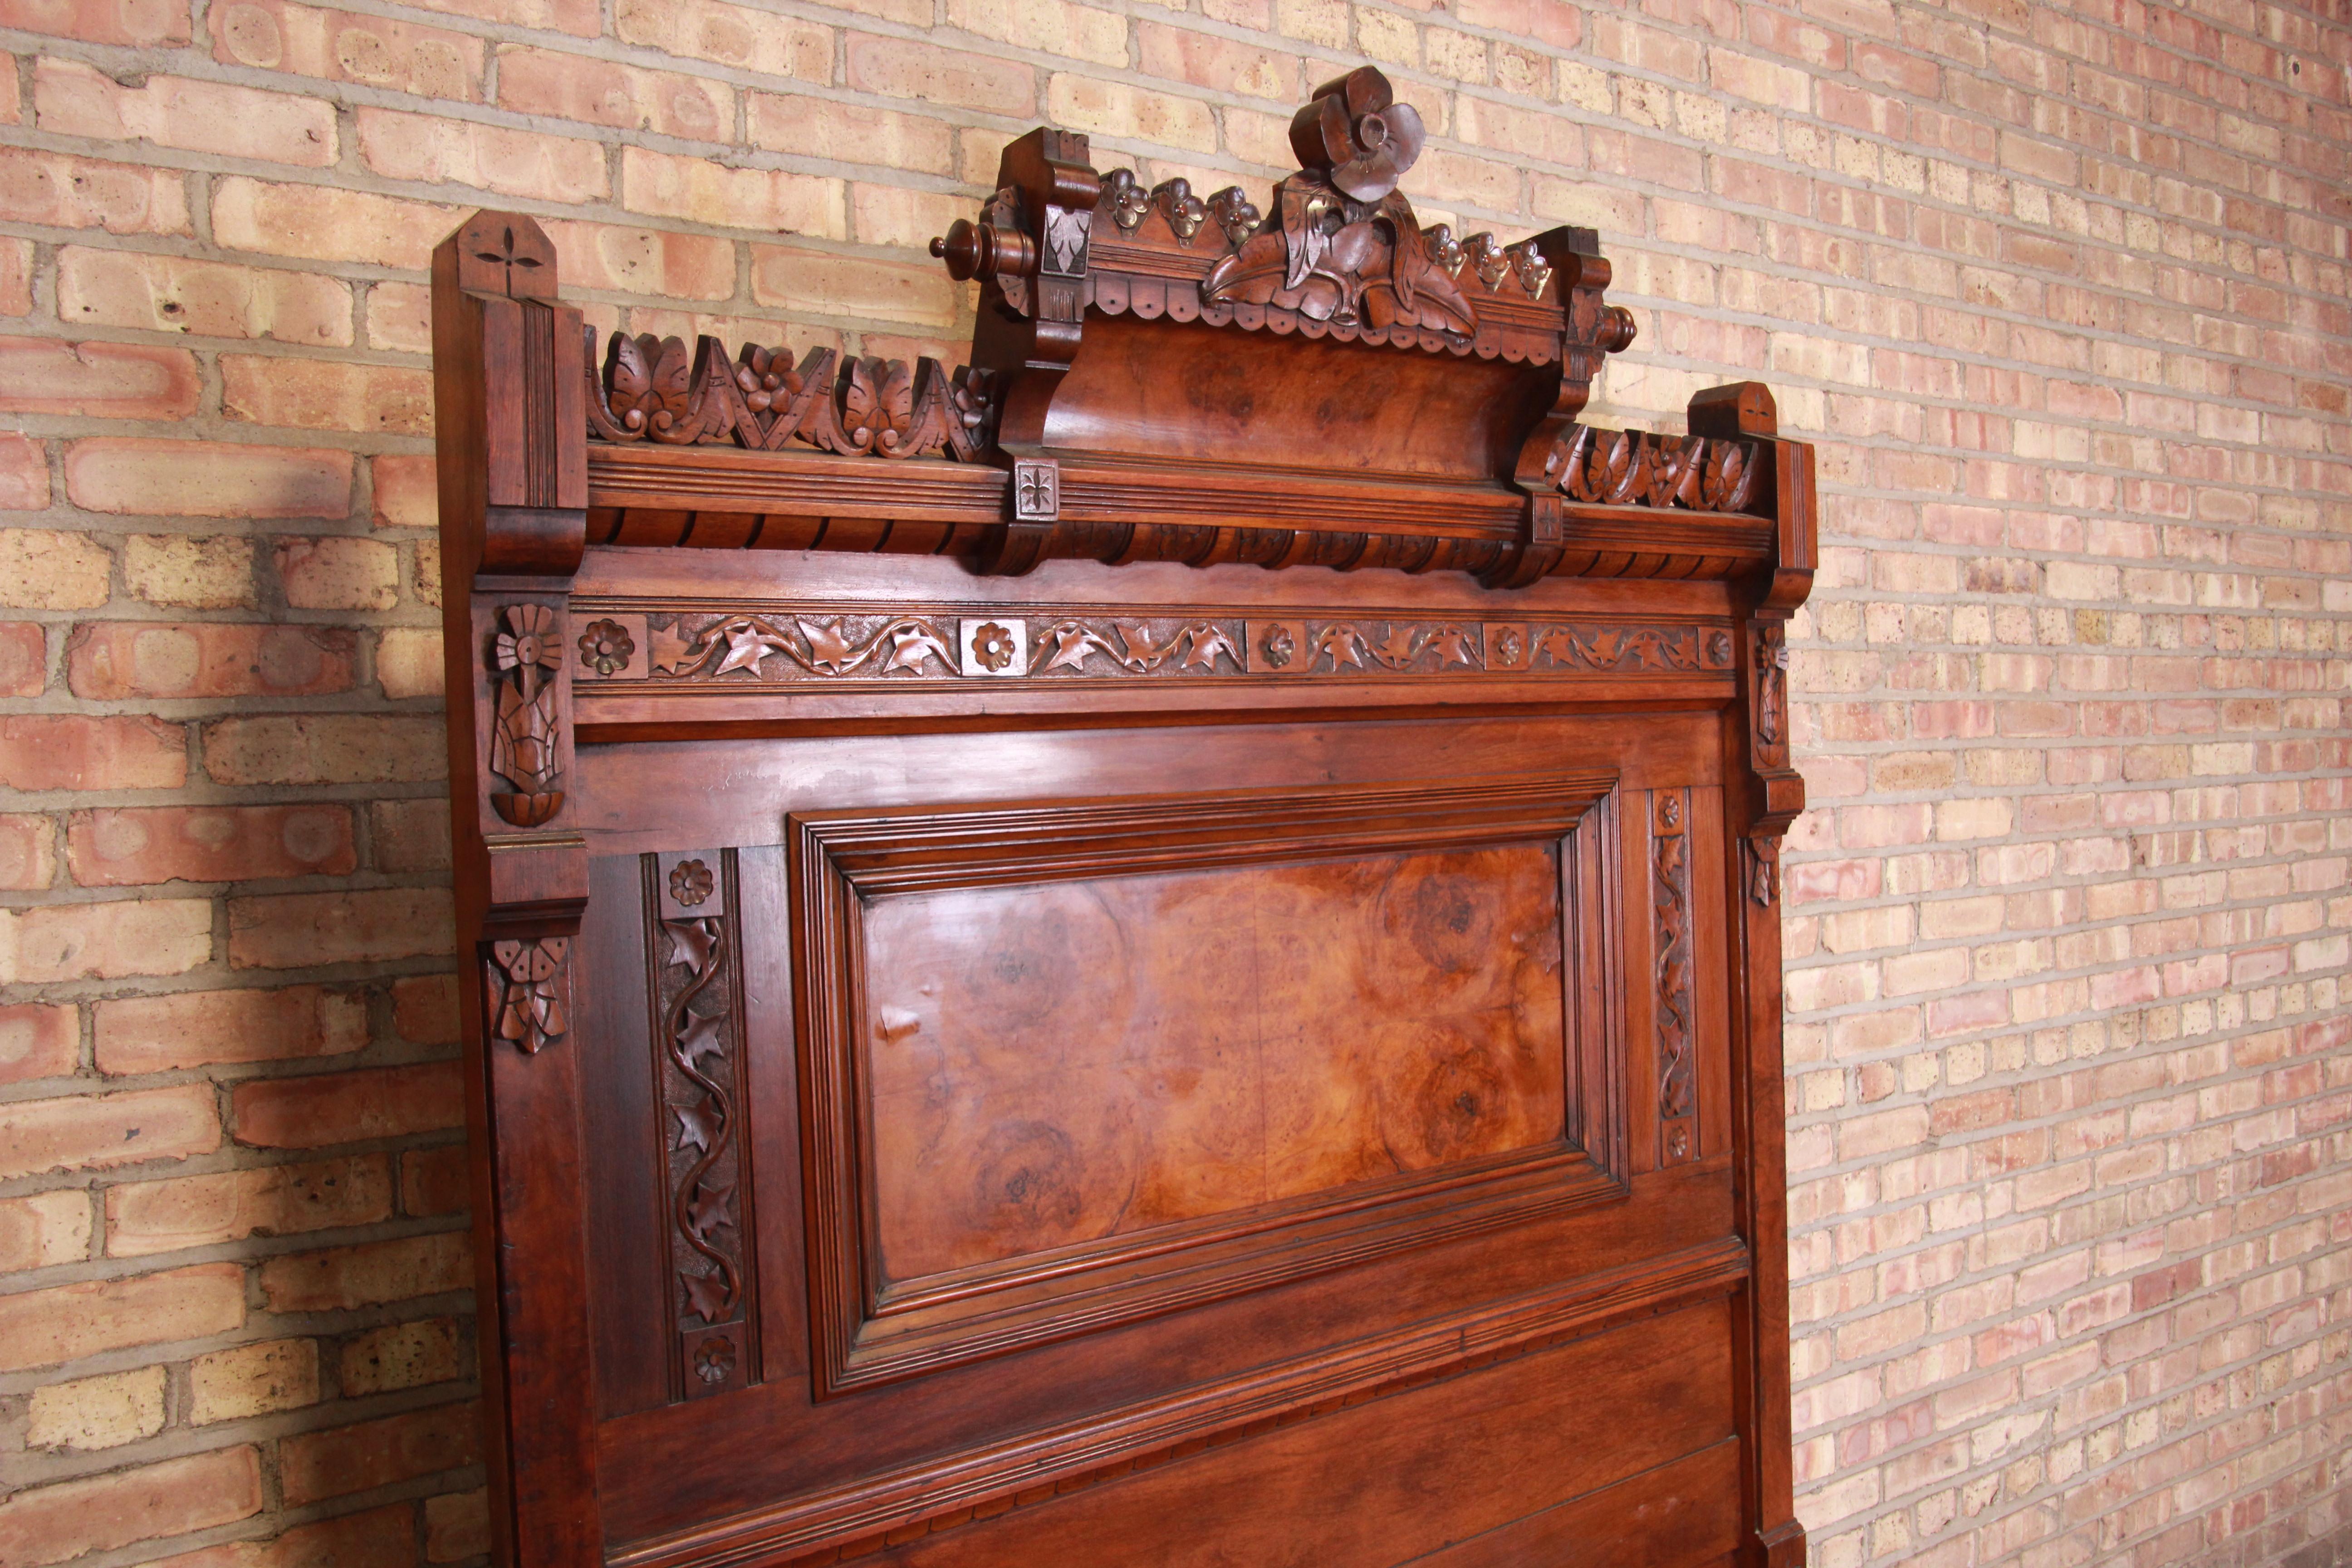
[(2062, 294)]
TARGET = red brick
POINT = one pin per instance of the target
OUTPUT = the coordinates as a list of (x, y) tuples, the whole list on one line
[(406, 492), (456, 1526), (138, 24), (321, 223), (345, 46), (91, 1132), (320, 394), (599, 92), (409, 835), (424, 1009), (61, 192), (29, 852), (194, 1029), (318, 1464), (349, 1277), (38, 1041), (75, 100), (300, 930), (208, 299), (100, 381), (113, 661), (16, 277), (205, 478), (70, 751), (182, 1212), (435, 1182), (130, 847), (349, 1107), (900, 68), (325, 748), (431, 149), (66, 1322), (49, 1524), (378, 1538), (652, 262), (24, 475)]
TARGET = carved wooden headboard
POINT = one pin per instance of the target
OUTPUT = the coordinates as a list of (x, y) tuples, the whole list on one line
[(1159, 950)]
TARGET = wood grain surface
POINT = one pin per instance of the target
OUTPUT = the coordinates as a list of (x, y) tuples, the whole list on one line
[(1083, 1059)]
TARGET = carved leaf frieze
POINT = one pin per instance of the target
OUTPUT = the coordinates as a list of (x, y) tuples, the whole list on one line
[(774, 648), (1637, 468), (651, 389)]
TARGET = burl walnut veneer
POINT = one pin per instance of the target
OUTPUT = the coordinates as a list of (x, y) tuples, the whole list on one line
[(1161, 949)]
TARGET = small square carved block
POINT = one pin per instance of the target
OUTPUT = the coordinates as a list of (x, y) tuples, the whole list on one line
[(995, 646), (1036, 491)]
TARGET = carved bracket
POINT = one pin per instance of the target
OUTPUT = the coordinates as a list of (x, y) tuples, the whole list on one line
[(1780, 786), (526, 730), (530, 984), (1635, 467)]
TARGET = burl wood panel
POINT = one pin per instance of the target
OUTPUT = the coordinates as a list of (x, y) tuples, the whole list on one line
[(1067, 1062)]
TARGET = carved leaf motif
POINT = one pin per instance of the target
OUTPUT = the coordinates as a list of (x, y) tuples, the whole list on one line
[(1401, 647), (710, 1295), (828, 649), (1068, 643), (707, 1211), (1205, 643), (669, 650), (691, 942), (912, 642), (746, 645), (1342, 645), (698, 1125), (702, 1037), (1453, 646)]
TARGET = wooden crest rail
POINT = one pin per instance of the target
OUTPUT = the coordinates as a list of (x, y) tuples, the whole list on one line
[(1160, 948)]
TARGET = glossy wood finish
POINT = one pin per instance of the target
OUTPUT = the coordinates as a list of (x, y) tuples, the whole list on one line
[(1004, 1032)]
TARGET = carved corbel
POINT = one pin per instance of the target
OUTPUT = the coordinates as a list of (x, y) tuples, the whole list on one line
[(1571, 257), (1031, 250), (1745, 410)]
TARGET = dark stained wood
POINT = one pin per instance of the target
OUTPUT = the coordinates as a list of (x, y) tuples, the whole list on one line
[(1158, 948)]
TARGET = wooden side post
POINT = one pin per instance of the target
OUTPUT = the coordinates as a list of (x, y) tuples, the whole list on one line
[(1758, 818), (509, 407)]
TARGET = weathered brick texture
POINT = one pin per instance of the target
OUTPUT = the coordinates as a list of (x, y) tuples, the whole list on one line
[(2061, 291)]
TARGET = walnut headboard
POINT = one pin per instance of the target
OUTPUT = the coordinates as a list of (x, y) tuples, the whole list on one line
[(1163, 949)]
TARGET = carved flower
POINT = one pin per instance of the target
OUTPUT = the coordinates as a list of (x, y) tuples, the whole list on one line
[(992, 645), (690, 882), (1279, 647), (1130, 204), (715, 1361), (1719, 649), (1507, 646), (607, 646), (1493, 262), (1185, 211), (766, 378), (1533, 270), (1235, 214), (1356, 132), (1445, 252), (528, 642)]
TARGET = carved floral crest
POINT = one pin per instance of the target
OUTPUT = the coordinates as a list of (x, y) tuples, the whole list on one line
[(1348, 248)]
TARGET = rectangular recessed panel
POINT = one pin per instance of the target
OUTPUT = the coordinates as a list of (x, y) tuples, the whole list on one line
[(1063, 1063)]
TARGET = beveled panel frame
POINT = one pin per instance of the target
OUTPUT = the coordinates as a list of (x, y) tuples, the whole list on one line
[(867, 1331)]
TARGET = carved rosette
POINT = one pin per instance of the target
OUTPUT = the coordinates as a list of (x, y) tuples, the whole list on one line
[(529, 986), (699, 1041), (1670, 883), (650, 390), (789, 647), (525, 728)]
